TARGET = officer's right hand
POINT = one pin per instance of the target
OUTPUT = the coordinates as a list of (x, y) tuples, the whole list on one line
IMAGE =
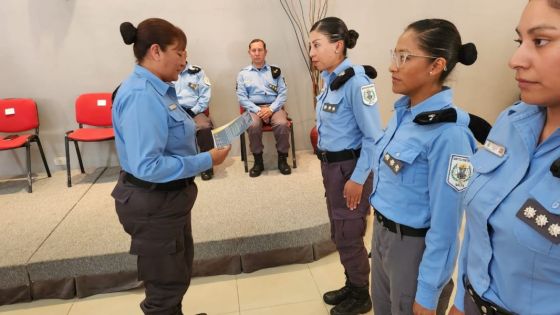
[(219, 154), (455, 311)]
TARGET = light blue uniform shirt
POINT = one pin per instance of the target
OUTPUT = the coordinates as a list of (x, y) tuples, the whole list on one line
[(257, 86), (421, 194), (513, 265), (193, 90), (155, 138), (354, 124)]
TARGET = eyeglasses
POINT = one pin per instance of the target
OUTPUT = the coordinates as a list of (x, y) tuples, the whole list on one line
[(400, 57)]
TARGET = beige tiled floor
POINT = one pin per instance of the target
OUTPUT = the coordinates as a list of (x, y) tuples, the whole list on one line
[(293, 289)]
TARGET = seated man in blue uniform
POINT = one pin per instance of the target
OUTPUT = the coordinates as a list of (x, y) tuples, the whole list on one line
[(193, 92), (262, 91)]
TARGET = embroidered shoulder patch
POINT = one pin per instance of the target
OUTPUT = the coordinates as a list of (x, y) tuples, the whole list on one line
[(369, 96), (459, 172)]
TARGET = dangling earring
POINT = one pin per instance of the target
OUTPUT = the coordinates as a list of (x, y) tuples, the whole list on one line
[(431, 72), (336, 51)]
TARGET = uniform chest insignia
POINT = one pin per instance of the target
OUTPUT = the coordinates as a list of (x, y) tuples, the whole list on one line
[(495, 148), (330, 108), (172, 107), (545, 223), (369, 96), (207, 81), (395, 165), (459, 172), (273, 87), (193, 86)]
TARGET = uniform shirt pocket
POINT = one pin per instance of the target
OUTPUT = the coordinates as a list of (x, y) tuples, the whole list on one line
[(484, 164), (533, 237), (414, 169), (176, 123)]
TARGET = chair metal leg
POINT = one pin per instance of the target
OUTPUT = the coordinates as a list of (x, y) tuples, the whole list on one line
[(28, 157), (244, 152), (67, 149), (294, 164), (79, 157), (43, 156)]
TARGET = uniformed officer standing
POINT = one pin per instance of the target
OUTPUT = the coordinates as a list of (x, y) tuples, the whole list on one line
[(510, 257), (193, 92), (261, 90), (420, 174), (155, 140), (348, 125)]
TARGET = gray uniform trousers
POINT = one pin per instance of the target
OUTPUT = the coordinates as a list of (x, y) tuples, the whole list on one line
[(204, 132), (280, 128), (159, 223), (348, 227), (395, 260)]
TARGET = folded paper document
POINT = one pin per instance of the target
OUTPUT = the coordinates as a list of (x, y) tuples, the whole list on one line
[(225, 134)]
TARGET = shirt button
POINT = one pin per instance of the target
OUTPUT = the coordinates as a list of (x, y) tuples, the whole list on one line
[(555, 205), (398, 154)]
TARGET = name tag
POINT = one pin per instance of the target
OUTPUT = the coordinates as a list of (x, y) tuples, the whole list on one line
[(495, 148), (101, 102), (9, 111), (172, 107)]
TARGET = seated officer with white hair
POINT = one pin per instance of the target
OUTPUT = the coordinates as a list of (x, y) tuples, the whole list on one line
[(193, 92)]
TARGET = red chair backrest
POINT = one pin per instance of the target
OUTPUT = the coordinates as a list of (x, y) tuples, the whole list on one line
[(94, 109), (18, 114)]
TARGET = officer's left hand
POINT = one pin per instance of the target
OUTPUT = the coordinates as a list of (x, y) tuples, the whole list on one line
[(352, 194), (418, 309)]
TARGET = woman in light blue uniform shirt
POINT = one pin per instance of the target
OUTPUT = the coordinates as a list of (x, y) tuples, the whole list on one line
[(420, 174), (348, 125), (510, 257), (155, 140)]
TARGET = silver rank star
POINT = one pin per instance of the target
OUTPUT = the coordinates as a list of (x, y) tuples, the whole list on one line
[(554, 230), (541, 220), (529, 212), (387, 157)]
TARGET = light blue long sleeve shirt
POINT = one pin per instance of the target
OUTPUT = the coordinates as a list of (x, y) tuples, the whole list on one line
[(425, 192), (257, 86), (354, 124), (508, 261), (154, 136), (193, 90)]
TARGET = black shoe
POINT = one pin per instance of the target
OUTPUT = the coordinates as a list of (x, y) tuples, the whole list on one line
[(207, 175), (258, 167), (336, 296), (283, 166), (357, 302)]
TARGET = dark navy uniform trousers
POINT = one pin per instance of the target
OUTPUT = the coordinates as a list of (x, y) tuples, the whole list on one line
[(348, 227), (159, 223)]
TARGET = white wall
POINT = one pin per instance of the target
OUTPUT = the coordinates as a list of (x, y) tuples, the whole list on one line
[(54, 50)]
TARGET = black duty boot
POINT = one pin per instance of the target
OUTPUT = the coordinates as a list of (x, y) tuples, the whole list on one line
[(357, 302), (207, 175), (336, 296), (283, 164), (258, 167)]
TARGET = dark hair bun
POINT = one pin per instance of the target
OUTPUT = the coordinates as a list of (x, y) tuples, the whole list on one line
[(128, 32), (351, 39), (467, 54)]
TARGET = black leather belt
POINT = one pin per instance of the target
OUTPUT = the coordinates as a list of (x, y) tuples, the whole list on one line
[(338, 156), (168, 186), (399, 228), (485, 307)]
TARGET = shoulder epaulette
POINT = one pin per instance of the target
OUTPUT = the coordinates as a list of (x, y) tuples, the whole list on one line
[(348, 73), (555, 168), (479, 127), (194, 69), (114, 93), (275, 71)]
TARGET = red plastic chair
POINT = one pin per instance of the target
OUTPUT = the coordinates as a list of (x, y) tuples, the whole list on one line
[(266, 128), (17, 115), (93, 109)]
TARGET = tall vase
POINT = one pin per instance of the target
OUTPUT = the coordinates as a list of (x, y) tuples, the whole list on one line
[(314, 137)]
